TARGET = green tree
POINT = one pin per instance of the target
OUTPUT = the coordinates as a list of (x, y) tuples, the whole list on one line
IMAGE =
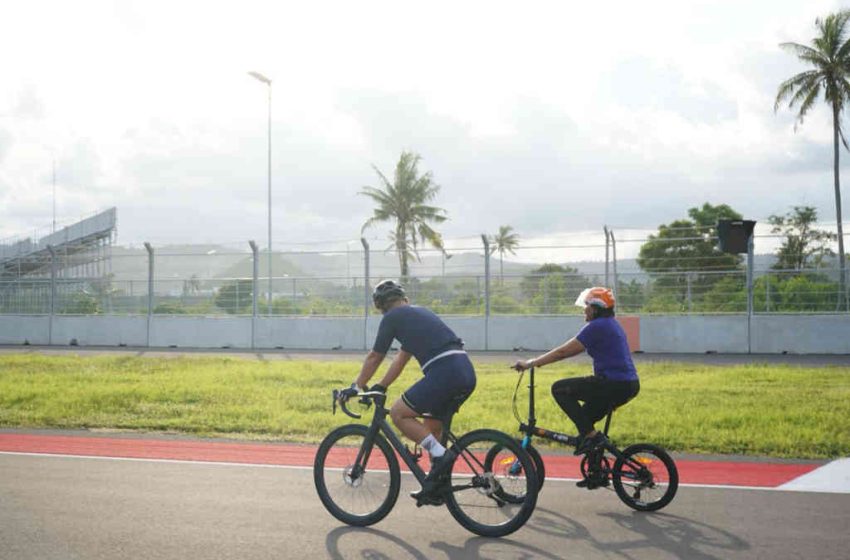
[(80, 303), (235, 297), (506, 241), (552, 288), (684, 253), (802, 240), (829, 59), (404, 201)]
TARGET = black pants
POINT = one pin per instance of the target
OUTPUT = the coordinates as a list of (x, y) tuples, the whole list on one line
[(598, 395)]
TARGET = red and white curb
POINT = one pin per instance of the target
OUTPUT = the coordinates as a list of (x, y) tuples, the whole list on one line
[(833, 477), (761, 475)]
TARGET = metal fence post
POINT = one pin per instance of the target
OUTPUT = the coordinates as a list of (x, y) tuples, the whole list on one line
[(486, 291), (605, 229), (150, 290), (614, 256), (255, 283), (367, 296), (750, 246), (52, 294)]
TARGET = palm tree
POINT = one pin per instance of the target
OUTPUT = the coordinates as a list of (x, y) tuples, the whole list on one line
[(404, 201), (829, 56), (504, 241)]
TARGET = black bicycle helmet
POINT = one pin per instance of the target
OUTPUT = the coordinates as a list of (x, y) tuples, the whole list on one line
[(385, 291)]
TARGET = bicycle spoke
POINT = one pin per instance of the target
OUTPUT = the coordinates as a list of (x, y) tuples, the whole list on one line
[(356, 493), (490, 501)]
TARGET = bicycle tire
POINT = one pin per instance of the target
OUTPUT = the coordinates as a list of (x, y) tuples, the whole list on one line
[(482, 495), (334, 456), (633, 475), (516, 470)]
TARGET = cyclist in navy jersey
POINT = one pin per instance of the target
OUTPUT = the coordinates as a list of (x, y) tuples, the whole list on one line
[(449, 377), (614, 381)]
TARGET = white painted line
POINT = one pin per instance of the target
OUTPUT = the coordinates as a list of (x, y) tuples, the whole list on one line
[(783, 488), (833, 477), (150, 460)]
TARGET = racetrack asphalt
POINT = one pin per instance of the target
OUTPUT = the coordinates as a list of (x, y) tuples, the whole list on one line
[(68, 507)]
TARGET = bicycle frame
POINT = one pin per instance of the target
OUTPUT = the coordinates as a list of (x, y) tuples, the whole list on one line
[(379, 424), (531, 429)]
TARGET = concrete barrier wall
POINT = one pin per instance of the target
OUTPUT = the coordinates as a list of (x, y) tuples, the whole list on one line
[(803, 334), (93, 330), (697, 333), (18, 329)]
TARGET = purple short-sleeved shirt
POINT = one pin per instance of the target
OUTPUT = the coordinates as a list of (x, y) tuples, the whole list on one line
[(605, 342)]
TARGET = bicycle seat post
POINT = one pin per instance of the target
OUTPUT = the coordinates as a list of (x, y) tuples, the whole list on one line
[(608, 419)]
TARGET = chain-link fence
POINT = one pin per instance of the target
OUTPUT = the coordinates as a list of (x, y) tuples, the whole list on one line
[(534, 278)]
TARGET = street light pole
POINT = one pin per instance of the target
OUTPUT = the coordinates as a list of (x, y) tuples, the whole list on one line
[(268, 82)]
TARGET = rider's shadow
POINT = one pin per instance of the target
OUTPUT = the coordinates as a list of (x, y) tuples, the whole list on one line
[(679, 536), (381, 545), (477, 547)]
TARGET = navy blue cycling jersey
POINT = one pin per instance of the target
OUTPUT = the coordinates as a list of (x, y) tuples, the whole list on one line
[(419, 331)]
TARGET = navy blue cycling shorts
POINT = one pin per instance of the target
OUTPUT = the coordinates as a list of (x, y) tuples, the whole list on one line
[(448, 382)]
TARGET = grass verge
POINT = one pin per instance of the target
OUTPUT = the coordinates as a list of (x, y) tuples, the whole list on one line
[(767, 410)]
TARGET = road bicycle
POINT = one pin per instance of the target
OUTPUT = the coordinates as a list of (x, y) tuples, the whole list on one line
[(643, 475), (358, 477)]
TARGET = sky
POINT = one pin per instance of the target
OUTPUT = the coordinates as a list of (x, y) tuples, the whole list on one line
[(552, 117)]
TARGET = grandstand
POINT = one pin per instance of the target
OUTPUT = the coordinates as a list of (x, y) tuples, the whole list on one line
[(81, 253)]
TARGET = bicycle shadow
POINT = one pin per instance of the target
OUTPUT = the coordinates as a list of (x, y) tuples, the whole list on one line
[(682, 537), (678, 536), (556, 524), (383, 546), (475, 547)]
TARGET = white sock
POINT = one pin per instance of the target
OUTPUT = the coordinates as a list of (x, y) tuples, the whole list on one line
[(432, 446)]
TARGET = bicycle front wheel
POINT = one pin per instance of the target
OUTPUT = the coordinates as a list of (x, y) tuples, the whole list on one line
[(514, 477), (484, 497), (645, 477), (357, 483)]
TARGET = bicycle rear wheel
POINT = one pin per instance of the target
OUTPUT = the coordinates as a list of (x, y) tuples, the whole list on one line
[(358, 486), (645, 477), (485, 499), (513, 480)]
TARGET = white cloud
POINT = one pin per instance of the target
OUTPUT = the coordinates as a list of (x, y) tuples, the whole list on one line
[(550, 116)]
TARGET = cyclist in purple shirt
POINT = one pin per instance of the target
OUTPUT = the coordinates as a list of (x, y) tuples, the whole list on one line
[(614, 381), (449, 377)]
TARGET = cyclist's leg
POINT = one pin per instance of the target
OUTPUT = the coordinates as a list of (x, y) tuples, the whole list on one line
[(406, 419), (568, 393), (611, 394), (426, 398)]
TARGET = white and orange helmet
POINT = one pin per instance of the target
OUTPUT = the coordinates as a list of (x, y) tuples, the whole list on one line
[(598, 297)]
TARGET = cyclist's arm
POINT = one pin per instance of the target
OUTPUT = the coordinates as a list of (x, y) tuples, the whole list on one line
[(570, 348), (370, 366), (396, 367)]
